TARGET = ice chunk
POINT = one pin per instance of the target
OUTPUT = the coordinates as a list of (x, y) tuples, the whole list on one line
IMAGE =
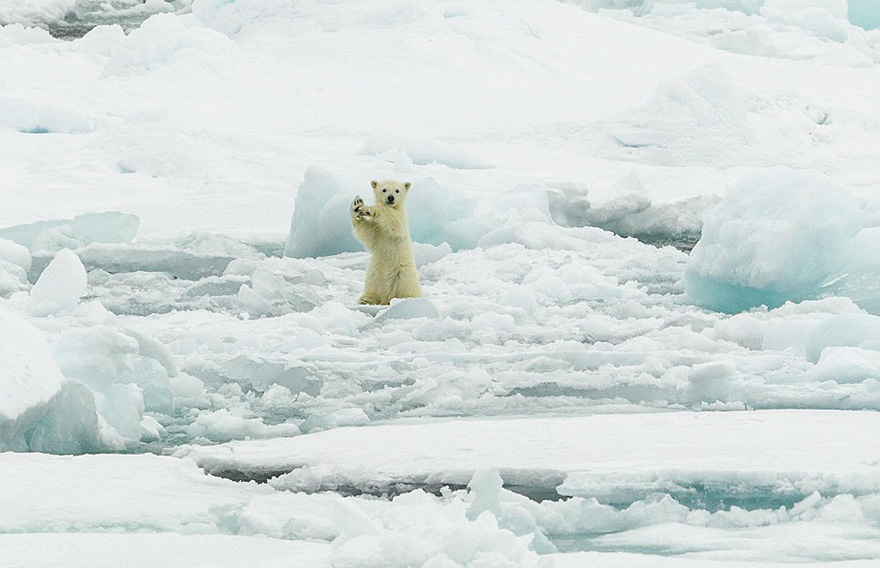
[(271, 294), (335, 419), (844, 330), (61, 285), (15, 253), (30, 377), (183, 264), (710, 382), (223, 426), (426, 253), (486, 487), (775, 237), (18, 34), (410, 308), (122, 406), (12, 278), (189, 391), (15, 261), (70, 424), (101, 356), (158, 41), (320, 225), (39, 410), (30, 12), (261, 373), (848, 365), (108, 227), (822, 18), (631, 212), (102, 40)]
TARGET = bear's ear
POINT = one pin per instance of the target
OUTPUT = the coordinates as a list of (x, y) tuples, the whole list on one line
[(406, 186), (374, 183)]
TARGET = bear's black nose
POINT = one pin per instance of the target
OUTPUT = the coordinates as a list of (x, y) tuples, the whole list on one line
[(391, 200)]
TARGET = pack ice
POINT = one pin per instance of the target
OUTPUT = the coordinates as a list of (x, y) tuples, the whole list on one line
[(647, 234)]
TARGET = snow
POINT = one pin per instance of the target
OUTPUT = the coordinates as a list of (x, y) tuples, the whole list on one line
[(105, 550), (179, 281), (828, 495)]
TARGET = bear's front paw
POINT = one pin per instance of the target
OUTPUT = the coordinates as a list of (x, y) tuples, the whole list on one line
[(357, 204)]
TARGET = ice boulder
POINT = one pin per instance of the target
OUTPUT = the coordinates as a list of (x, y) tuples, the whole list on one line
[(61, 285), (39, 410), (321, 225), (774, 238)]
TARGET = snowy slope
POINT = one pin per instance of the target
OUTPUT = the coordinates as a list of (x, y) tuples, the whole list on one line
[(535, 88)]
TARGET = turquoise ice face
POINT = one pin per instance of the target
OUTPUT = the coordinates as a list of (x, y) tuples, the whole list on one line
[(864, 13)]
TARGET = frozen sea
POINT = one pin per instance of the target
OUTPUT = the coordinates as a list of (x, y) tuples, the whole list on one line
[(648, 234)]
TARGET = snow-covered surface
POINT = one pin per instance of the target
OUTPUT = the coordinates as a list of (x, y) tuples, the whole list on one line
[(617, 457), (817, 480), (177, 270)]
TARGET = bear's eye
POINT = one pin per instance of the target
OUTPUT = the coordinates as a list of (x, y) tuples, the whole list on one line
[(396, 191), (384, 190)]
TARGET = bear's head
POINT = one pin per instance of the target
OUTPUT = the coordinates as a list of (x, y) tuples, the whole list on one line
[(390, 192)]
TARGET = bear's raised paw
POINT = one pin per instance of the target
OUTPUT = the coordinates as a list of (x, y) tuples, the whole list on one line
[(359, 210), (357, 204)]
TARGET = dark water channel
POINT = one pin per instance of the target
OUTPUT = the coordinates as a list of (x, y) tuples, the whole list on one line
[(88, 14)]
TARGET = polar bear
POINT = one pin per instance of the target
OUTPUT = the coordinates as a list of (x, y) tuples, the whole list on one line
[(383, 229)]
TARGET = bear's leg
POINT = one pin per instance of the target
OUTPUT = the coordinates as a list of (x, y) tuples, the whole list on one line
[(371, 294), (367, 300)]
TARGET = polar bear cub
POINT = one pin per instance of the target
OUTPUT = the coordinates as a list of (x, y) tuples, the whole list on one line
[(383, 229)]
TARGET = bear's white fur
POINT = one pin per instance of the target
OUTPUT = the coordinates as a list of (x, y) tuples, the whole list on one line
[(383, 229)]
